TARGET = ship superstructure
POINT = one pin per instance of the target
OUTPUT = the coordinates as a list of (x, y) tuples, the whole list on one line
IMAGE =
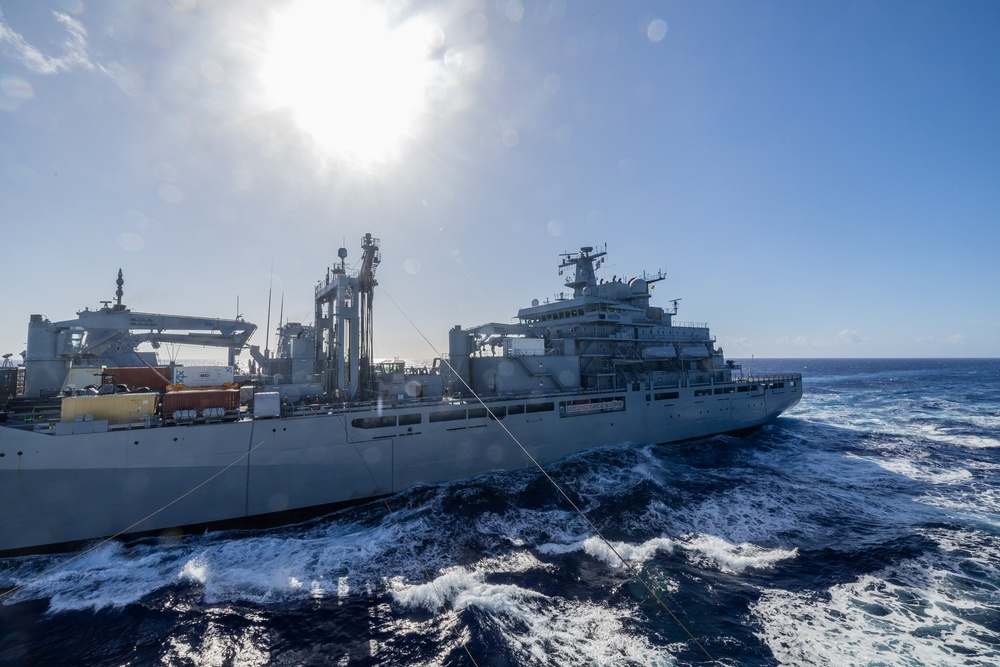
[(604, 337), (320, 423)]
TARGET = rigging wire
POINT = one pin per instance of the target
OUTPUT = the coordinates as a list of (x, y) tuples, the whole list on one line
[(633, 572), (409, 542), (123, 531)]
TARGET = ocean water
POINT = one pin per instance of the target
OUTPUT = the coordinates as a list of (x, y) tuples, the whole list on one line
[(862, 528)]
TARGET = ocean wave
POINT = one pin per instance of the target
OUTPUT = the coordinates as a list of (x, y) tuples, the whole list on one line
[(709, 550), (922, 611), (535, 628), (264, 568), (614, 554)]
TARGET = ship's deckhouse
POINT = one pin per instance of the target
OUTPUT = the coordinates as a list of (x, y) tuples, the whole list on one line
[(604, 337)]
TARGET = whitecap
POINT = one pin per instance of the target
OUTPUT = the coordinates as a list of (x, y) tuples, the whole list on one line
[(922, 611), (614, 554), (536, 628), (734, 558), (921, 469)]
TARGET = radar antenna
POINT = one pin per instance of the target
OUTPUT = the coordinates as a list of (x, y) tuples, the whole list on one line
[(119, 293), (583, 269)]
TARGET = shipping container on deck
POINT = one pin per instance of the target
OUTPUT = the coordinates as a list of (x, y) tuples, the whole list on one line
[(116, 408), (156, 379), (203, 376), (199, 400)]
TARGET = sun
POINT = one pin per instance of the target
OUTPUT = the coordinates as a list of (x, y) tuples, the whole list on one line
[(355, 80)]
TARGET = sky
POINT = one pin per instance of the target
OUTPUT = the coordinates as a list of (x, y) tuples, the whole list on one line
[(816, 179)]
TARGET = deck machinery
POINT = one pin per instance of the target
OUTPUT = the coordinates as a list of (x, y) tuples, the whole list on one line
[(110, 336)]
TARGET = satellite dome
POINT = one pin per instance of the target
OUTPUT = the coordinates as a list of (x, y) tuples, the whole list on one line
[(638, 285), (534, 302)]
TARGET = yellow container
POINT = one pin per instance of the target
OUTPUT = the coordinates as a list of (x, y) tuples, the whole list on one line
[(116, 408)]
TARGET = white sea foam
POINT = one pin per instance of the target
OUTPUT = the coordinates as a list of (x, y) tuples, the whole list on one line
[(740, 515), (964, 440), (922, 469), (195, 570), (522, 527), (100, 578), (459, 588), (926, 417), (537, 629), (314, 562), (976, 505), (734, 558), (708, 551), (612, 553), (923, 611)]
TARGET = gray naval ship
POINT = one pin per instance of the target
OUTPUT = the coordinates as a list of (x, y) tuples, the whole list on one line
[(101, 439)]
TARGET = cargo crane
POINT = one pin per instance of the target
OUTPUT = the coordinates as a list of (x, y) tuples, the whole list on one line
[(110, 336)]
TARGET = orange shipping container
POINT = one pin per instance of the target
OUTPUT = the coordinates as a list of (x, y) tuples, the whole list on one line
[(138, 376), (228, 399)]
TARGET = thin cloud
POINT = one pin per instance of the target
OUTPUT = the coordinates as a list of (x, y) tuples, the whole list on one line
[(74, 48), (846, 338), (801, 341), (850, 337), (952, 340)]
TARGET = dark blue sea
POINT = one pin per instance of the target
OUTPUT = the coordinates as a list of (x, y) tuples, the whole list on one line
[(862, 528)]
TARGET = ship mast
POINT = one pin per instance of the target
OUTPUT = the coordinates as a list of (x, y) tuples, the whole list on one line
[(583, 269), (366, 293), (119, 293)]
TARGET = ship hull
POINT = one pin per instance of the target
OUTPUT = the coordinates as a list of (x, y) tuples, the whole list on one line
[(69, 487)]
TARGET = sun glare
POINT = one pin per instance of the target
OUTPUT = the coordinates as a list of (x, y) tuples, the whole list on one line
[(354, 81)]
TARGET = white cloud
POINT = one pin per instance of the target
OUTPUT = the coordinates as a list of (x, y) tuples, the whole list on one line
[(801, 341), (850, 337), (846, 338), (74, 47)]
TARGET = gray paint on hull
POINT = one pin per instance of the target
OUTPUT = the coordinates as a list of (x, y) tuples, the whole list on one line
[(78, 487)]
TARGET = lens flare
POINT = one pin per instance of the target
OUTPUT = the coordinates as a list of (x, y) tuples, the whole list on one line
[(356, 81)]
